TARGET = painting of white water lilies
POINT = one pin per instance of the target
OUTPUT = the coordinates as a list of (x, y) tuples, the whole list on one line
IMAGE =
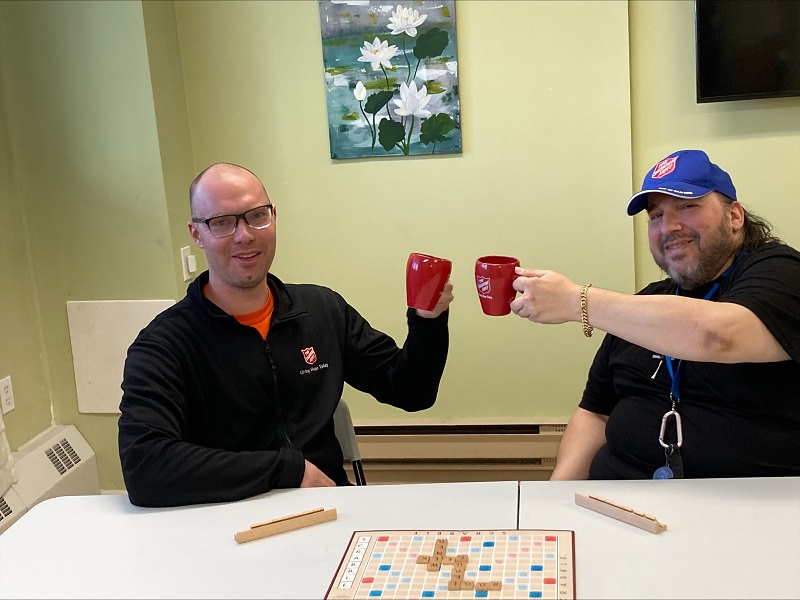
[(391, 77)]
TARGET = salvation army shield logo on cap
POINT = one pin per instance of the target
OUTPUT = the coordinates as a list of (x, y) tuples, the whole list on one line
[(484, 285), (665, 167), (309, 355)]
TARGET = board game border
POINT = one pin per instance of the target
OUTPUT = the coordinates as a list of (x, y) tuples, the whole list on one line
[(454, 530)]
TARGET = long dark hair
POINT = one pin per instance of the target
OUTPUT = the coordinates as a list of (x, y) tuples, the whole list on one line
[(757, 230)]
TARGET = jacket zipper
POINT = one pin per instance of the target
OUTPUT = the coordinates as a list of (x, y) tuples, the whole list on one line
[(274, 368)]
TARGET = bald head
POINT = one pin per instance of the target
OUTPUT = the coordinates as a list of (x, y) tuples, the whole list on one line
[(220, 171)]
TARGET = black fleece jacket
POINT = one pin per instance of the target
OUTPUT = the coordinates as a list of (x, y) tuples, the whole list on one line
[(211, 412)]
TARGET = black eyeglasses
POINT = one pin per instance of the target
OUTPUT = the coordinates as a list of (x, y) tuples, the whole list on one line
[(224, 225)]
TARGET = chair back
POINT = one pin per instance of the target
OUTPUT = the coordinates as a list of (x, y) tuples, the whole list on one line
[(346, 435)]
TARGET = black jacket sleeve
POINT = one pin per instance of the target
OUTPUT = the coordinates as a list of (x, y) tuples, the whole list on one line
[(159, 465), (406, 377)]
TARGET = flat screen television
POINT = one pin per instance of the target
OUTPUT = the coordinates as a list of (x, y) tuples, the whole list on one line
[(747, 49)]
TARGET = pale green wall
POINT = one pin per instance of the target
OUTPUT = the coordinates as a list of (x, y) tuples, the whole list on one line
[(22, 351), (543, 176), (756, 141), (81, 124), (97, 146), (174, 138)]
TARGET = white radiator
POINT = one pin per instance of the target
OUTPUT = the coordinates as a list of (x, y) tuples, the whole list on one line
[(57, 462), (11, 509)]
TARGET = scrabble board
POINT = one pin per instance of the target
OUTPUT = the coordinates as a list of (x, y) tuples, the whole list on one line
[(527, 563)]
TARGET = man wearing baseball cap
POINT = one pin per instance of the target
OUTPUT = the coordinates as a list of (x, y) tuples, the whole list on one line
[(698, 374)]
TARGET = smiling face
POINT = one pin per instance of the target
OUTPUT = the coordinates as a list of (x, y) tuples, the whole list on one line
[(694, 239), (238, 263)]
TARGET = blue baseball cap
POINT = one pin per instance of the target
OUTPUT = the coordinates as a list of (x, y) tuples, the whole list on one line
[(683, 174)]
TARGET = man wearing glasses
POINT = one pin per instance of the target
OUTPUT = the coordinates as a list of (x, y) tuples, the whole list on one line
[(231, 392)]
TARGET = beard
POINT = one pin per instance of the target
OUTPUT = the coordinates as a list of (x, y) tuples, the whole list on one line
[(712, 254)]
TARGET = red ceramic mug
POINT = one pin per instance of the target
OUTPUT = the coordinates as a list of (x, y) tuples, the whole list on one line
[(426, 277), (493, 278)]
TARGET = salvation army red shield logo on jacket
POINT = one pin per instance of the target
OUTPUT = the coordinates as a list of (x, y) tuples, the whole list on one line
[(309, 355)]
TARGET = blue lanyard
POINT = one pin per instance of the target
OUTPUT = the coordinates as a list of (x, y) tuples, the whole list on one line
[(676, 372)]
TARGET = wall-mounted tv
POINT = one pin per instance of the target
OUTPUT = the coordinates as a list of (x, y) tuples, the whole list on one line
[(747, 49)]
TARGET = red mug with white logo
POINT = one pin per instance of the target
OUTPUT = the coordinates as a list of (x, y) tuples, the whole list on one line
[(426, 277), (494, 276)]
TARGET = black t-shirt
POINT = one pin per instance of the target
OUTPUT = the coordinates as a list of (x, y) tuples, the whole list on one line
[(738, 420)]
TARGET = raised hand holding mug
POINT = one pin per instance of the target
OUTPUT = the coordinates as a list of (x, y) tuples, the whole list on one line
[(494, 276), (426, 277)]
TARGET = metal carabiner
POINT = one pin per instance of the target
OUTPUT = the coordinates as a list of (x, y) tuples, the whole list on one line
[(664, 419)]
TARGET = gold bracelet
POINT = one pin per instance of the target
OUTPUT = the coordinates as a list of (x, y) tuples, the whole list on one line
[(587, 329)]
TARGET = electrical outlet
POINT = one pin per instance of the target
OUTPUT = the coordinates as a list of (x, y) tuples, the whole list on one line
[(6, 395)]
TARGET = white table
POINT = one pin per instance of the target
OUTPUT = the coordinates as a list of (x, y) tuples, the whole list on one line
[(737, 538), (726, 538), (103, 547)]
